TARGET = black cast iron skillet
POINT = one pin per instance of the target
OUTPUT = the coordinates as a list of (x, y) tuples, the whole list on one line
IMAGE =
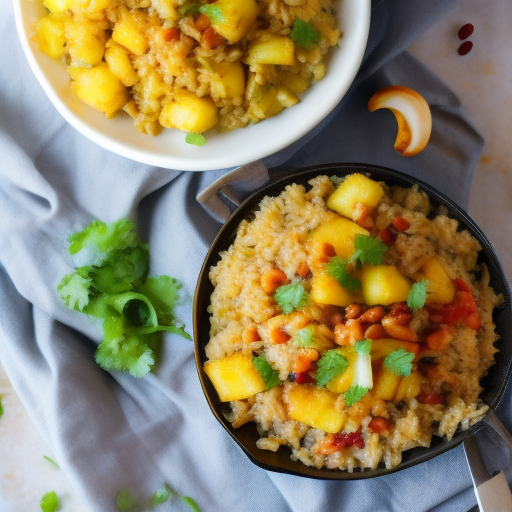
[(494, 383)]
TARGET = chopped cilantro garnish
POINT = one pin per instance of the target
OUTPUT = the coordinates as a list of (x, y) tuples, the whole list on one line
[(50, 502), (195, 139), (50, 461), (399, 362), (125, 501), (116, 289), (291, 296), (363, 346), (1, 407), (330, 365), (214, 12), (191, 504), (268, 374), (337, 268), (304, 338), (189, 8), (304, 34), (354, 394), (417, 295), (369, 249)]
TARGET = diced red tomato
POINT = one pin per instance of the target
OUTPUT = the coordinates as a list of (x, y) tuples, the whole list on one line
[(347, 439), (401, 224), (303, 378), (461, 285), (171, 34), (387, 236), (462, 310), (379, 424), (430, 398)]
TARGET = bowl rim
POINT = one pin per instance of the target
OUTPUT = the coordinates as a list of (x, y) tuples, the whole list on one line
[(168, 150), (270, 461)]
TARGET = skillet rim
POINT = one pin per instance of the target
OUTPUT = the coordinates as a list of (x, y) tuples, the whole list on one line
[(280, 461)]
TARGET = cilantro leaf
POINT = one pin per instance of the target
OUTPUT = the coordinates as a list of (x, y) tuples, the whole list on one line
[(399, 362), (125, 501), (189, 8), (1, 407), (331, 364), (363, 346), (191, 504), (50, 502), (354, 394), (74, 291), (304, 338), (369, 249), (337, 268), (163, 292), (104, 237), (291, 296), (50, 461), (417, 295), (304, 34), (195, 139), (268, 374), (214, 12)]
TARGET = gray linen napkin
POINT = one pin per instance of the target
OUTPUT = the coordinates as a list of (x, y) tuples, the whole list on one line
[(112, 431)]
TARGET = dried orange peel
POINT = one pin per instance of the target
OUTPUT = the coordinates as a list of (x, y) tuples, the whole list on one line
[(412, 115)]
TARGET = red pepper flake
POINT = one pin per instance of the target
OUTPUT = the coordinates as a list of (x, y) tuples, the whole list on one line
[(303, 378), (461, 285), (465, 48), (430, 398), (171, 34), (465, 31), (347, 439), (387, 236), (401, 224), (379, 425)]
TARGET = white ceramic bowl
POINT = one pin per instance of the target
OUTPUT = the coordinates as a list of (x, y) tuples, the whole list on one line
[(221, 150)]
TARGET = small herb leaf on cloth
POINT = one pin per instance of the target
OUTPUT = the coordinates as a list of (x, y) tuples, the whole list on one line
[(331, 364), (417, 295), (400, 362), (291, 296), (50, 502)]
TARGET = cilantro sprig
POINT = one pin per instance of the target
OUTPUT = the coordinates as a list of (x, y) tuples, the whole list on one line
[(269, 375), (400, 362), (291, 297), (304, 34), (304, 338), (331, 364), (417, 295), (354, 394), (116, 289), (337, 268)]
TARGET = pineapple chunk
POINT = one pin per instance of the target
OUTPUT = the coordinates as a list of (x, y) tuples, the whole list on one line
[(263, 100), (99, 88), (326, 290), (127, 33), (120, 64), (383, 284), (385, 346), (166, 9), (294, 82), (386, 384), (84, 45), (341, 383), (340, 233), (410, 387), (356, 188), (233, 18), (188, 112), (50, 36), (440, 288), (234, 377), (273, 49), (229, 81), (57, 6), (315, 407)]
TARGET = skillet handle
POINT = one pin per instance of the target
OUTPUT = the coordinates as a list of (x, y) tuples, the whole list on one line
[(224, 195)]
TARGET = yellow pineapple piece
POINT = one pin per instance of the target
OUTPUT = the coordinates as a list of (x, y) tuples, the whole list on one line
[(315, 407), (166, 9), (58, 6), (294, 82), (340, 233), (383, 284), (234, 377), (273, 49), (85, 43), (50, 36), (382, 348), (356, 188), (385, 383), (128, 34), (232, 18), (188, 112), (410, 387), (120, 64), (440, 288), (99, 88), (263, 100), (229, 81), (342, 382), (326, 290)]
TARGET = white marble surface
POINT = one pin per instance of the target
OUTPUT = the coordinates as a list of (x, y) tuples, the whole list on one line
[(482, 81)]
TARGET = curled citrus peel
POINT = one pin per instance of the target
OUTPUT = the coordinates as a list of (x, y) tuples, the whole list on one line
[(412, 114)]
